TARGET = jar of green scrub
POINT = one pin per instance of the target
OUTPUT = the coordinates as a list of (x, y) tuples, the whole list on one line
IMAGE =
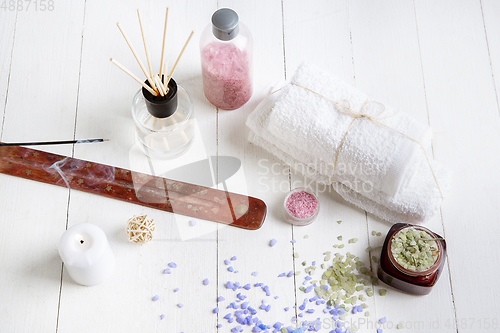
[(412, 258)]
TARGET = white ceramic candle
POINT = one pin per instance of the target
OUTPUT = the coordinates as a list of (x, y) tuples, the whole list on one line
[(86, 254)]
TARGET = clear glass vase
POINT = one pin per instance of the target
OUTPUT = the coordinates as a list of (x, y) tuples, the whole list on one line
[(164, 125)]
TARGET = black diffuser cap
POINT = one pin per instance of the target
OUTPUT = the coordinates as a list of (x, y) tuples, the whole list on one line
[(162, 107)]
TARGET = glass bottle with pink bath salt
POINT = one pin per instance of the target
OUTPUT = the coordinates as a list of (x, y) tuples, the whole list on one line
[(226, 47)]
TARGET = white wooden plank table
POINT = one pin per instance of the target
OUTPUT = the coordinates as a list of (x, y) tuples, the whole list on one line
[(438, 61)]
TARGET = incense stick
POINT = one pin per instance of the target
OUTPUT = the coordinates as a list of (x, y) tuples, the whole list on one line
[(163, 44), (148, 58), (178, 58), (133, 76), (47, 143), (150, 80)]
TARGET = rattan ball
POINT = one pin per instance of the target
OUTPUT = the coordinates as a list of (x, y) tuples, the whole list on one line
[(140, 229)]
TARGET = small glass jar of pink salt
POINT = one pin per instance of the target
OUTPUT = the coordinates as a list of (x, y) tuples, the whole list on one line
[(301, 206), (226, 47)]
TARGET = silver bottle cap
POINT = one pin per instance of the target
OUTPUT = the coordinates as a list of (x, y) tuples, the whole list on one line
[(225, 24)]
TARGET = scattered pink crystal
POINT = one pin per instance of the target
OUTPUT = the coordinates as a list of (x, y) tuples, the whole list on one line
[(302, 204), (227, 75)]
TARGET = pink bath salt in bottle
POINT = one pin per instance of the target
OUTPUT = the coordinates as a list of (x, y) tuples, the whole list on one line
[(226, 48)]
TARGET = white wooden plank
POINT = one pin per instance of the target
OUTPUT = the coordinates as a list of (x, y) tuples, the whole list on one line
[(8, 19), (463, 107), (321, 34), (388, 68), (40, 106), (491, 11), (264, 19), (104, 111)]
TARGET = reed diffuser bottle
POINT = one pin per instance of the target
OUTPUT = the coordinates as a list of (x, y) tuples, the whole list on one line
[(162, 109), (164, 124), (226, 47)]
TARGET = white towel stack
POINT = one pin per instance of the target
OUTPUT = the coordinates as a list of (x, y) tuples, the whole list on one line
[(377, 168)]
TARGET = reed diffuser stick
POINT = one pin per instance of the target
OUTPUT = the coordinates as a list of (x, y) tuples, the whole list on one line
[(134, 77), (163, 45), (148, 58), (158, 83), (162, 76), (178, 58), (150, 80)]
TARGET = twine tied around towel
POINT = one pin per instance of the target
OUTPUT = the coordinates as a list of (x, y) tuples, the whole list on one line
[(344, 107)]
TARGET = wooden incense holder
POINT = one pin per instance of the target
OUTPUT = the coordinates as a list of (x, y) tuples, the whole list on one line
[(138, 188)]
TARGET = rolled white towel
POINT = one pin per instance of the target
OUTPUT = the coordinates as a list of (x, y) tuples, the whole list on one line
[(377, 168)]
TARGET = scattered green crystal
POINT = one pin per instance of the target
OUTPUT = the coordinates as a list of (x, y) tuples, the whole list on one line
[(295, 255), (341, 246), (339, 221), (353, 240), (304, 263), (306, 236), (382, 292), (379, 234), (400, 326), (339, 237)]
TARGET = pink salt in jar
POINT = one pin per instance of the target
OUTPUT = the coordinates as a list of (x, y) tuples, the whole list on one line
[(226, 49), (301, 206)]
